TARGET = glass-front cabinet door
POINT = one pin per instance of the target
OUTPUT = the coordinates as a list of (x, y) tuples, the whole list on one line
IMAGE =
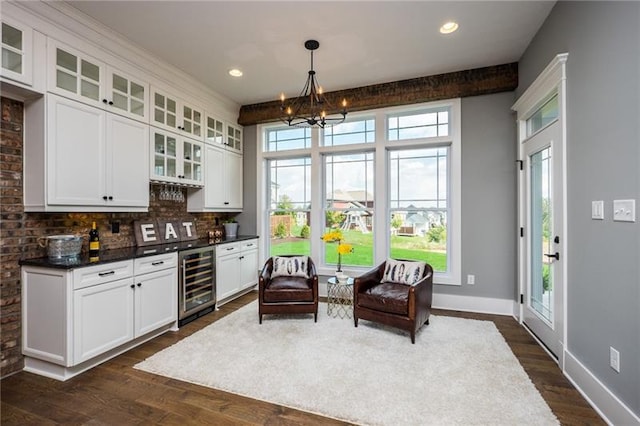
[(192, 121), (165, 156), (127, 96), (192, 162), (165, 111), (234, 138), (215, 131), (76, 75), (16, 51), (176, 159)]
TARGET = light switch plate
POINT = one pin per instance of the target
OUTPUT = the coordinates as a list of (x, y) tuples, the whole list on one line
[(624, 210), (597, 210)]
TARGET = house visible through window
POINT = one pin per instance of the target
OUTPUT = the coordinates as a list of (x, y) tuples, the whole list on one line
[(348, 180), (418, 205)]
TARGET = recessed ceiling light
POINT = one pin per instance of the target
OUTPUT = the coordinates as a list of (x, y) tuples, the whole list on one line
[(235, 72), (448, 27)]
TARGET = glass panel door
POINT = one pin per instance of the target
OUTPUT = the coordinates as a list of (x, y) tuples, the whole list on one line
[(543, 292)]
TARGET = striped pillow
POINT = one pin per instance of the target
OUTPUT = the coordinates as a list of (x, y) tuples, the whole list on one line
[(403, 272), (295, 266)]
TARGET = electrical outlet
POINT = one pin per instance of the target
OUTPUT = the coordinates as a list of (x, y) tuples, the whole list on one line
[(614, 359), (624, 210), (471, 279), (115, 227)]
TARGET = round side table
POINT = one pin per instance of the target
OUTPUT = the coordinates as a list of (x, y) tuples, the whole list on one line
[(340, 298)]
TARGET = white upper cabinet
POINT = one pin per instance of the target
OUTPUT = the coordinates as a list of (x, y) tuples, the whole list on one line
[(78, 76), (17, 51), (175, 158), (94, 160), (221, 134), (222, 185), (177, 115)]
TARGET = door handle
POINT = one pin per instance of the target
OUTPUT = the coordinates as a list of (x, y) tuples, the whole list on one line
[(555, 255)]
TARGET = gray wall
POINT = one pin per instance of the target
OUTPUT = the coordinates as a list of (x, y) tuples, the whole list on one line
[(603, 159), (247, 220), (488, 196)]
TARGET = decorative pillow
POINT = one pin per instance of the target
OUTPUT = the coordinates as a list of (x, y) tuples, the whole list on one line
[(295, 266), (403, 272)]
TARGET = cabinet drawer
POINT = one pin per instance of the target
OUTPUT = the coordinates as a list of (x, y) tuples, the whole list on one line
[(143, 265), (249, 245), (224, 250), (100, 274)]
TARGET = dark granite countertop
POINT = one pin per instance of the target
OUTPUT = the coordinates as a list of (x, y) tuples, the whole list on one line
[(127, 253)]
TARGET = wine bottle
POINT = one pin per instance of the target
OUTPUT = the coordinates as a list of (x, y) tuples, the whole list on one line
[(94, 242)]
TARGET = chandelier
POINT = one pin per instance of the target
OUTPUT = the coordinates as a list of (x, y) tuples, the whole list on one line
[(311, 107)]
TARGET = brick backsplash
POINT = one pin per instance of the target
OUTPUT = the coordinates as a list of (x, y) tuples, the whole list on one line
[(19, 231)]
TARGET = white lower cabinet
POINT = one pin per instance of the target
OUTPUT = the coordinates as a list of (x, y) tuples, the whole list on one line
[(236, 268), (156, 292), (75, 319), (102, 318)]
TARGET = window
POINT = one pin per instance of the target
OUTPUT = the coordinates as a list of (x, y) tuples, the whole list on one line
[(423, 124), (289, 206), (545, 115), (288, 138), (418, 204), (349, 206), (402, 164), (350, 132)]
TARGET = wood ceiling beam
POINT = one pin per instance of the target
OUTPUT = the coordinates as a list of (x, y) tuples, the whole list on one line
[(459, 84)]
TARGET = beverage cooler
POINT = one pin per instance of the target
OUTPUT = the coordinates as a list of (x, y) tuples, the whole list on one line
[(197, 295)]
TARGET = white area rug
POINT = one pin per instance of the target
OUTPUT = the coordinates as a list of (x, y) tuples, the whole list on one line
[(459, 372)]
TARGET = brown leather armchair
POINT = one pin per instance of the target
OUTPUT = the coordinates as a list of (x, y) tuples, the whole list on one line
[(287, 294), (403, 306)]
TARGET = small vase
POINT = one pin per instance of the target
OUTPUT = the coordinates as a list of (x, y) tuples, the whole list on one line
[(231, 229)]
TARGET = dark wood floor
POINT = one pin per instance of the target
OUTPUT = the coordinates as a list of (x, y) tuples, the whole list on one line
[(115, 393)]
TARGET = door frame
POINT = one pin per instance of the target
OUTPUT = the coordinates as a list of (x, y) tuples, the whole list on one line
[(552, 80)]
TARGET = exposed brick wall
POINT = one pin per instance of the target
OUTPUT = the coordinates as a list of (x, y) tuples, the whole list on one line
[(19, 231), (11, 234)]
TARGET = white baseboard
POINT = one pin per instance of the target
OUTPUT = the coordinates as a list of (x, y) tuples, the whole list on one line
[(609, 406), (485, 305)]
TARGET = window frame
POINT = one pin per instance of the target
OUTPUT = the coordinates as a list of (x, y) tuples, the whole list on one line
[(381, 210)]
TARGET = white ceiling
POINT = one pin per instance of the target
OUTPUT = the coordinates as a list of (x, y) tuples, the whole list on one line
[(361, 42)]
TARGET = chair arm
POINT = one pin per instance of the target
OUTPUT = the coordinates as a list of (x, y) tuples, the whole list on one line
[(366, 280), (423, 294), (265, 274)]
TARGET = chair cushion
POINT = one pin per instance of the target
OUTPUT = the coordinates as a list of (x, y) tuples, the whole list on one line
[(403, 272), (386, 297), (288, 289), (293, 266)]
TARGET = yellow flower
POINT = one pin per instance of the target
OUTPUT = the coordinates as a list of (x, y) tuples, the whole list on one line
[(332, 236), (345, 248)]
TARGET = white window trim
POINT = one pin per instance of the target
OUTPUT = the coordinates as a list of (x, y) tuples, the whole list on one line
[(381, 209)]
